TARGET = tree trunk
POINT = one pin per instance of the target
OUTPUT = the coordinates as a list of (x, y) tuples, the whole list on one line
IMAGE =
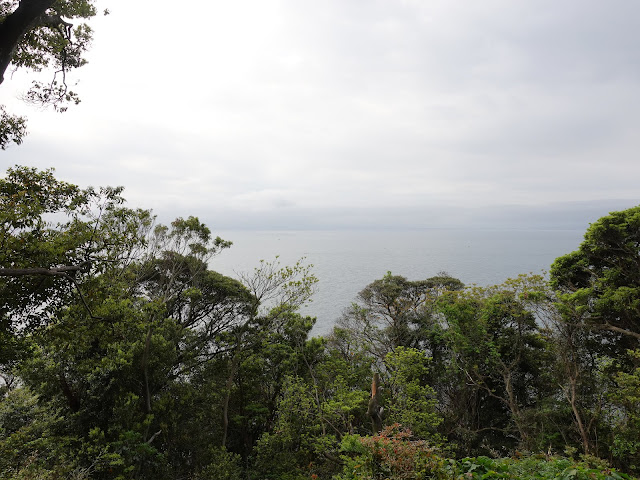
[(512, 404), (15, 26), (375, 409), (586, 445)]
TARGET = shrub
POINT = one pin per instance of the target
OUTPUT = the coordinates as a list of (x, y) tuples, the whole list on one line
[(390, 455)]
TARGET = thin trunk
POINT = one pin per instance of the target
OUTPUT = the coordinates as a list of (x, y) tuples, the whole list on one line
[(512, 403), (317, 396), (572, 396)]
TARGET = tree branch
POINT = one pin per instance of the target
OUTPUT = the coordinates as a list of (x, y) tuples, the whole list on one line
[(613, 328), (66, 272), (153, 437), (52, 21), (51, 272)]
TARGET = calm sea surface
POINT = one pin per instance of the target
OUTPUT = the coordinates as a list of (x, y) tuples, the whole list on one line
[(346, 261)]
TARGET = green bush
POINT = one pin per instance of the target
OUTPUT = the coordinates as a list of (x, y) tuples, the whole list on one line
[(224, 465), (538, 468)]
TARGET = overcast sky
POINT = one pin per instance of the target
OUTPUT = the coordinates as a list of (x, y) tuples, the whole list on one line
[(354, 113)]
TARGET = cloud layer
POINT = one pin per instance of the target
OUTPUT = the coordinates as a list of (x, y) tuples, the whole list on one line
[(287, 111)]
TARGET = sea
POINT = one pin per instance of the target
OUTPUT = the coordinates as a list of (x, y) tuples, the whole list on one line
[(346, 261)]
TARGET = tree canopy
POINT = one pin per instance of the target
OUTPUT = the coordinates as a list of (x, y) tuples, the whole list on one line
[(42, 35), (602, 278)]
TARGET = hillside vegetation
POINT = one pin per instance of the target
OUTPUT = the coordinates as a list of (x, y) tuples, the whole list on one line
[(122, 355)]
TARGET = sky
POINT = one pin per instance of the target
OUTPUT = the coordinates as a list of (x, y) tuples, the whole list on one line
[(298, 114)]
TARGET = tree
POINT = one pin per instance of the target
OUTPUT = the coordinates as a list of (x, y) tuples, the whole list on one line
[(12, 128), (393, 311), (498, 348), (626, 428), (400, 305), (598, 291), (53, 237), (602, 279), (321, 397), (37, 35), (277, 292), (412, 401), (116, 351), (576, 369)]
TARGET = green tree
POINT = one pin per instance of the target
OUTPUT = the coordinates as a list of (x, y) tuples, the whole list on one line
[(326, 400), (275, 327), (500, 353), (322, 394), (12, 128), (626, 427), (132, 375), (412, 402), (394, 311), (602, 278), (119, 352), (55, 237), (287, 451), (37, 35), (576, 369), (598, 291)]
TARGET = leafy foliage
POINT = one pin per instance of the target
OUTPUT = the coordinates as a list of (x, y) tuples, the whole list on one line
[(602, 278), (540, 467), (413, 402), (626, 397), (12, 129)]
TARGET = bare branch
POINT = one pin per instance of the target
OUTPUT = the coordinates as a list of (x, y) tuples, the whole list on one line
[(613, 328)]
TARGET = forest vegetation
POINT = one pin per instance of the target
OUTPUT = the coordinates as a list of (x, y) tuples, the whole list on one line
[(124, 356)]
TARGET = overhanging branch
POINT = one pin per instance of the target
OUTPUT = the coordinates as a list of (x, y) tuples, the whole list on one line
[(64, 271)]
